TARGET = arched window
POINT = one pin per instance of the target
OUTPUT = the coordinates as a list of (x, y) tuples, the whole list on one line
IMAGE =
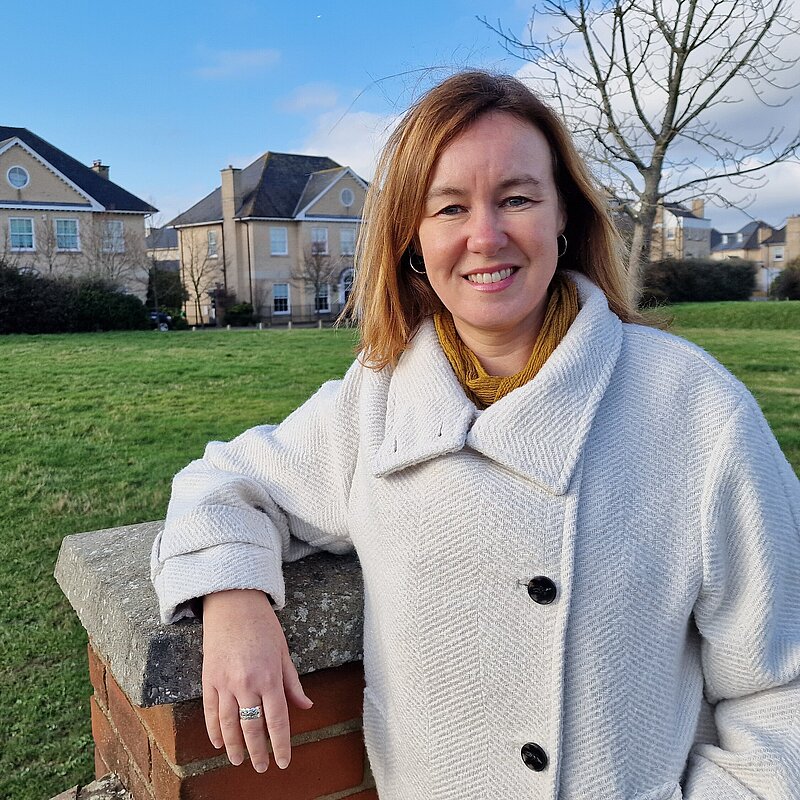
[(346, 284)]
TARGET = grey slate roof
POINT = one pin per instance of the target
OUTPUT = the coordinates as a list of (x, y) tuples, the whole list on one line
[(749, 240), (677, 210), (778, 237), (111, 196), (272, 186), (161, 238)]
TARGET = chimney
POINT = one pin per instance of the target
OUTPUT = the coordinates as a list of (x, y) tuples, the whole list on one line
[(237, 277), (698, 208), (100, 168)]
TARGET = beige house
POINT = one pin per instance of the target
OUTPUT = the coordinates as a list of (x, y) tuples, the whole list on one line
[(681, 233), (769, 248), (60, 217), (279, 234)]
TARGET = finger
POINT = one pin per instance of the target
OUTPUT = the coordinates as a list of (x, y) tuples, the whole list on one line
[(211, 713), (231, 728), (277, 717), (292, 686), (255, 736)]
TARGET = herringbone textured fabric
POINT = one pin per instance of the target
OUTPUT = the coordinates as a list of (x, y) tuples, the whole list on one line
[(633, 472)]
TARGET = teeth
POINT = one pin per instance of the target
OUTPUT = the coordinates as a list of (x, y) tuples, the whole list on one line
[(490, 277)]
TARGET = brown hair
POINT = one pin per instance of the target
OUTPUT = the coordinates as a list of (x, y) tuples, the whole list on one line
[(388, 298)]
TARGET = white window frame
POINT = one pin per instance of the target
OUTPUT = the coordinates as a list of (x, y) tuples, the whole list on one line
[(351, 248), (777, 255), (77, 235), (276, 247), (319, 296), (113, 242), (27, 177), (347, 197), (319, 236), (288, 299), (32, 234), (212, 246)]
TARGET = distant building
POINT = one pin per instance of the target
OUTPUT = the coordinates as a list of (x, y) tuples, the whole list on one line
[(681, 233), (61, 217), (279, 234), (769, 248), (162, 247)]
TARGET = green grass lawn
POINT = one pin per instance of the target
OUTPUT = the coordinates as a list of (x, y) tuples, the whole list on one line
[(94, 427)]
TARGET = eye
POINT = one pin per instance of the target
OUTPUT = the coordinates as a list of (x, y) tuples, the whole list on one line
[(518, 201), (450, 211)]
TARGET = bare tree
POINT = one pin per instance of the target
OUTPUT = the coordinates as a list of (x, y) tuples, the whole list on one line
[(644, 86), (315, 272), (46, 246), (115, 254), (199, 271)]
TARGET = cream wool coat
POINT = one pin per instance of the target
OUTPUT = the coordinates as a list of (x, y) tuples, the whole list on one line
[(634, 472)]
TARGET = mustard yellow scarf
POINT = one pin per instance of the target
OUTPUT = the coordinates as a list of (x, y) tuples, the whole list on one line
[(484, 389)]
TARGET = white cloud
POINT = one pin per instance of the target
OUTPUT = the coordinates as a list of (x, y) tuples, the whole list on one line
[(223, 64), (353, 138), (310, 97)]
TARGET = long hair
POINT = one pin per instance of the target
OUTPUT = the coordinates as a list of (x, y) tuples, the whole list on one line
[(389, 299)]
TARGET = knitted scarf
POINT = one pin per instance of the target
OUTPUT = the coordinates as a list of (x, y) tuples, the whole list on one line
[(484, 389)]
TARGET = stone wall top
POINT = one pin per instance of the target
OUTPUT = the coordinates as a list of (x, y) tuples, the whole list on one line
[(106, 577)]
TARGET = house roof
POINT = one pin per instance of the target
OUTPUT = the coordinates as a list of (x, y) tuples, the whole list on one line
[(272, 186), (161, 238), (749, 237), (677, 210), (778, 237), (107, 193)]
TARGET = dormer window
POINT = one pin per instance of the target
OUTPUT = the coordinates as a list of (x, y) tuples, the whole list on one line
[(18, 177)]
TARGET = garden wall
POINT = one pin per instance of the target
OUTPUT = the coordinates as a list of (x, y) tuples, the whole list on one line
[(147, 717)]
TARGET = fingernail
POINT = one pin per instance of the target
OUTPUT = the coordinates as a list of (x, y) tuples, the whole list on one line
[(282, 762), (235, 760), (260, 767)]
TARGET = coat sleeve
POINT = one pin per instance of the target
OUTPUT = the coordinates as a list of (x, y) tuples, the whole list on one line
[(748, 615), (273, 494)]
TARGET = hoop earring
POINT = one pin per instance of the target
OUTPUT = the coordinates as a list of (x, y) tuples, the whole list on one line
[(419, 267), (561, 236)]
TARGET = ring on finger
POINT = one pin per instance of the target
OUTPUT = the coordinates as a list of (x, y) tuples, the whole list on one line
[(252, 712)]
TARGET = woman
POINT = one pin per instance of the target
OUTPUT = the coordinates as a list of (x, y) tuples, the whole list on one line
[(579, 539)]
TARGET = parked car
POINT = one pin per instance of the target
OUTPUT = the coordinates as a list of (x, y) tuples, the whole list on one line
[(160, 320)]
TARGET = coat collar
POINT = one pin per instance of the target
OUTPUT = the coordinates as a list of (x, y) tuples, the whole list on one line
[(537, 431)]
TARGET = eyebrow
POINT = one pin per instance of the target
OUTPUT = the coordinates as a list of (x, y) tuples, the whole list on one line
[(508, 183)]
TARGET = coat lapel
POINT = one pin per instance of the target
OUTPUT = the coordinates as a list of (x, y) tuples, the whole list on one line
[(537, 430)]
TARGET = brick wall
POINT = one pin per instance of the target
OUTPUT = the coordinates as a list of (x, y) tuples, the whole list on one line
[(162, 752)]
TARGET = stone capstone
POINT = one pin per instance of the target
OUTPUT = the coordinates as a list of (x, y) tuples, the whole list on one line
[(105, 575)]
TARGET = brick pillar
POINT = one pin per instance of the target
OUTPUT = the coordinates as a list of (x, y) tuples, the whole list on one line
[(163, 753)]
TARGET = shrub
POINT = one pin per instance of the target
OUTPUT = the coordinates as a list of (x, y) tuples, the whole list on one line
[(240, 314), (674, 281), (786, 285), (31, 303)]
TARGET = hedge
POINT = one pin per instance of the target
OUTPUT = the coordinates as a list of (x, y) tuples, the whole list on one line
[(32, 303), (673, 281)]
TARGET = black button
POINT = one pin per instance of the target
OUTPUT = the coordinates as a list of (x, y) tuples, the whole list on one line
[(534, 757), (542, 590)]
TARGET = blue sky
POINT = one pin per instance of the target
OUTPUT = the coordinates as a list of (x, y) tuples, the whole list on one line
[(169, 94)]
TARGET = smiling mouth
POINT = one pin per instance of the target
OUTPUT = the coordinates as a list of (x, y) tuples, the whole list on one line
[(491, 277)]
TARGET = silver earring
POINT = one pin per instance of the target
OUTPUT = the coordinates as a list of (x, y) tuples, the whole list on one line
[(416, 263), (561, 236)]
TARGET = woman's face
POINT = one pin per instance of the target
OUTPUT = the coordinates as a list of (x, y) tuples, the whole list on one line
[(489, 226)]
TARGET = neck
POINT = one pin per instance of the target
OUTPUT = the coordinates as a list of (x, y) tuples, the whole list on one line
[(502, 353)]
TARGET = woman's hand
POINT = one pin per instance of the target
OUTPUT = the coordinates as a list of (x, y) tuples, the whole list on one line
[(246, 663)]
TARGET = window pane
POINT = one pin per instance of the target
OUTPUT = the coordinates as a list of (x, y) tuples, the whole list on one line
[(280, 298), (21, 231), (348, 241), (319, 241), (278, 242), (114, 236), (321, 300), (67, 234), (212, 243)]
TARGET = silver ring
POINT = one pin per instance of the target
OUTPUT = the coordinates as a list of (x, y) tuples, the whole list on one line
[(250, 713)]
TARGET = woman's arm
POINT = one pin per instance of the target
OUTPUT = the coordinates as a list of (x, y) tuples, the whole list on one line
[(748, 615)]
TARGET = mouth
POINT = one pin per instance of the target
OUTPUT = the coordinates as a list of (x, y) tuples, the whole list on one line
[(491, 277)]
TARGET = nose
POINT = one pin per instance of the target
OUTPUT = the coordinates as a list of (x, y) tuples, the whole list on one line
[(486, 235)]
